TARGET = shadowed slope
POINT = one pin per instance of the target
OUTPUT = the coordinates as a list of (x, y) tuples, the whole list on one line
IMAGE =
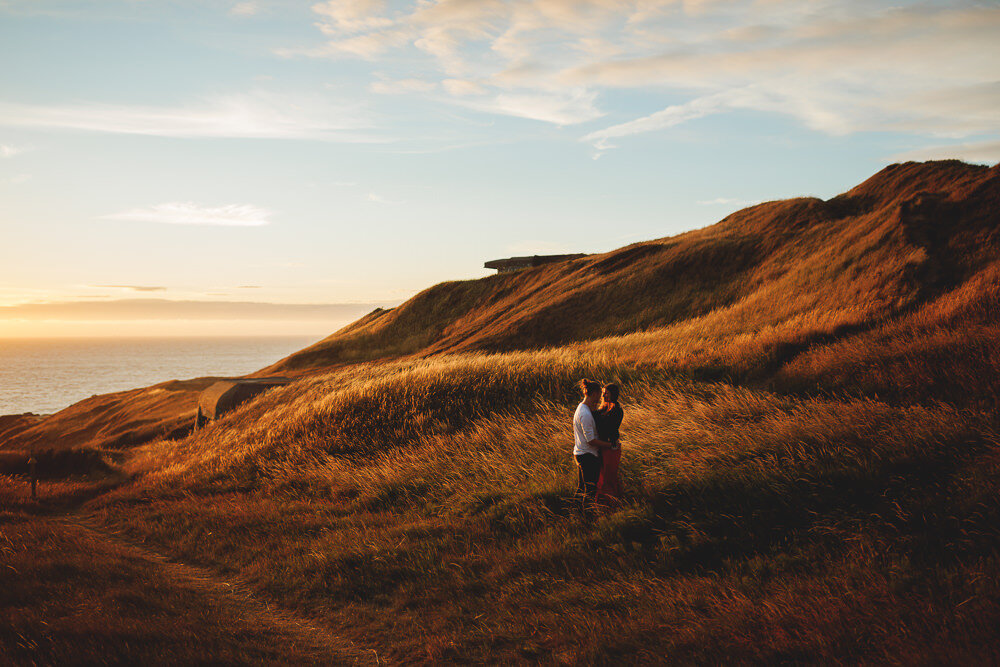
[(117, 420), (744, 296), (83, 596), (800, 294), (11, 425), (423, 505)]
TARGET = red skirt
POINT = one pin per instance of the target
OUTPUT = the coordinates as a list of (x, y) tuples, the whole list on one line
[(607, 484)]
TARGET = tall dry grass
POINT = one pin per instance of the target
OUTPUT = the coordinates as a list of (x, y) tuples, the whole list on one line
[(810, 453), (72, 598), (863, 256), (426, 505), (756, 526)]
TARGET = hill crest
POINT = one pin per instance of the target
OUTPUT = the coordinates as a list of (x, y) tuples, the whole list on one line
[(914, 239), (892, 241)]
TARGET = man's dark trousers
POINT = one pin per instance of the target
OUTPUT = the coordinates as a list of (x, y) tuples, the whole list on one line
[(589, 467)]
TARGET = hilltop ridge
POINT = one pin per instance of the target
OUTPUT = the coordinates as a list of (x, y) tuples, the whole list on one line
[(779, 276), (810, 448), (893, 241)]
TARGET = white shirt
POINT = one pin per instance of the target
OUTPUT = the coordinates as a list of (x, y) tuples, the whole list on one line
[(584, 430)]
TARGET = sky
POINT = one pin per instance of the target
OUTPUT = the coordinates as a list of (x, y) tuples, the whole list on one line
[(182, 167)]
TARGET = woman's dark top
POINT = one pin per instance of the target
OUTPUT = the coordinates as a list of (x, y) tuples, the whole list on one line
[(609, 423)]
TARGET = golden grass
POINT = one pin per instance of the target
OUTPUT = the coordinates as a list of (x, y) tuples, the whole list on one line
[(114, 421), (71, 597), (757, 527), (866, 255), (810, 461)]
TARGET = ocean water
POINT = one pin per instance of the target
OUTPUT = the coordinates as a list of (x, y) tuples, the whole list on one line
[(47, 375)]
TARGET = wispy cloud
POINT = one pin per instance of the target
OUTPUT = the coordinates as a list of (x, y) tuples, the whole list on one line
[(463, 87), (189, 213), (462, 39), (9, 151), (727, 201), (672, 115), (256, 115), (986, 152), (919, 70), (352, 16), (559, 108), (379, 199), (836, 66), (401, 86), (245, 9), (166, 309), (136, 288)]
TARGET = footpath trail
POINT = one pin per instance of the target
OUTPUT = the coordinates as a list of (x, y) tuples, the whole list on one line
[(306, 641), (89, 596)]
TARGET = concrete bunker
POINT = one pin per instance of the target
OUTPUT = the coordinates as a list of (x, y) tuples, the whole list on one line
[(511, 264), (225, 395)]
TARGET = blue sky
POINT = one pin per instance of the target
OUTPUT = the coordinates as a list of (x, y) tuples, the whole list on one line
[(357, 151)]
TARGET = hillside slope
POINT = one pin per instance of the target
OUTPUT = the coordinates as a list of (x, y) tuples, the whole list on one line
[(114, 421), (898, 239), (810, 451), (811, 458), (747, 295)]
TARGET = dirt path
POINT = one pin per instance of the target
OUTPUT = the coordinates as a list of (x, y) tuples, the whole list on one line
[(307, 642)]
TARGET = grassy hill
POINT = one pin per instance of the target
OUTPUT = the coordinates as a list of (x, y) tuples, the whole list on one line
[(810, 450), (901, 238), (110, 421)]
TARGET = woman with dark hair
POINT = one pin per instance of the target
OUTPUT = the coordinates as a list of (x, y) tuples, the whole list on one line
[(608, 418)]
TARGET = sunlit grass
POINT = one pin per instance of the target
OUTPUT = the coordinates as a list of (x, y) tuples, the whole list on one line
[(435, 496), (811, 458)]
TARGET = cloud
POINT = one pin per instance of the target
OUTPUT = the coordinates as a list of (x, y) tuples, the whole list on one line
[(351, 16), (137, 288), (256, 115), (401, 86), (727, 201), (985, 152), (444, 30), (188, 213), (166, 309), (366, 46), (805, 101), (954, 111), (836, 66), (9, 151), (918, 70), (245, 9), (379, 199), (672, 115), (461, 87), (559, 108)]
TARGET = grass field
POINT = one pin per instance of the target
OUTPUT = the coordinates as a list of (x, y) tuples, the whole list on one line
[(757, 526), (811, 458)]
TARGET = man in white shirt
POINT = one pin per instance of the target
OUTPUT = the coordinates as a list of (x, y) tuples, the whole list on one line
[(587, 446)]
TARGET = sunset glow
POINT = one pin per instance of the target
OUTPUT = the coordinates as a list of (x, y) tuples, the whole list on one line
[(356, 151)]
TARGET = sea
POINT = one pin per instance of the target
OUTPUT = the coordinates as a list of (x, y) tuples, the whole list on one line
[(46, 375)]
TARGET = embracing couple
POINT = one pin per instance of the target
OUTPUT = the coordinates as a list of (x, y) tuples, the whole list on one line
[(596, 424)]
